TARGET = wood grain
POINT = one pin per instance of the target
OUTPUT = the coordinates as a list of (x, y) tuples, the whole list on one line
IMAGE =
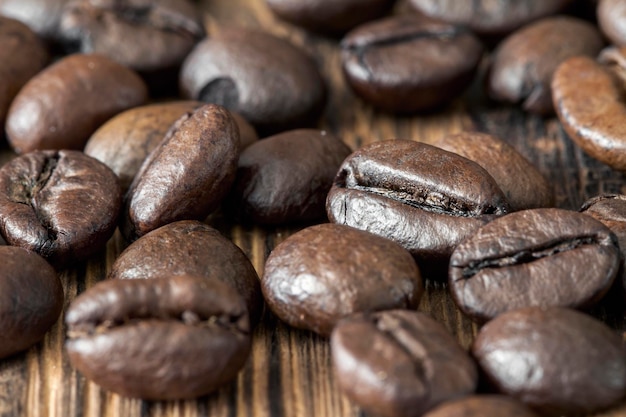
[(289, 373)]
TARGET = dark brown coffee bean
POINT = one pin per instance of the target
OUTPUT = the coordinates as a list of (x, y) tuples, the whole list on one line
[(589, 100), (186, 175), (409, 63), (482, 406), (65, 103), (611, 19), (194, 248), (325, 272), (22, 56), (541, 257), (63, 205), (31, 299), (522, 184), (168, 338), (329, 16), (556, 360), (399, 363), (285, 178), (418, 195), (524, 62), (487, 17), (42, 16), (270, 82)]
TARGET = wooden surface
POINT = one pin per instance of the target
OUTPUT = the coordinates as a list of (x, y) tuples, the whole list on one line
[(288, 373)]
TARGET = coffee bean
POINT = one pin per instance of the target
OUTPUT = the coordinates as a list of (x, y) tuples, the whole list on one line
[(409, 63), (418, 195), (31, 299), (186, 175), (541, 257), (556, 360), (194, 248), (522, 184), (399, 363), (588, 98), (41, 16), (63, 205), (285, 178), (168, 338), (65, 103), (247, 132), (482, 406), (524, 62), (325, 272), (22, 56), (611, 14), (270, 82)]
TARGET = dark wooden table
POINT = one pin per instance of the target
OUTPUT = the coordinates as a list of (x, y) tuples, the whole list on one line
[(289, 373)]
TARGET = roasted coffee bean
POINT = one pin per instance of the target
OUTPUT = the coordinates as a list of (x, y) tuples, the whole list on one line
[(557, 361), (22, 56), (168, 338), (65, 103), (482, 406), (64, 205), (285, 178), (329, 16), (540, 257), (273, 84), (611, 19), (31, 299), (194, 248), (325, 272), (186, 175), (589, 100), (522, 184), (524, 62), (487, 17), (399, 363), (409, 63), (42, 16), (418, 195), (247, 132)]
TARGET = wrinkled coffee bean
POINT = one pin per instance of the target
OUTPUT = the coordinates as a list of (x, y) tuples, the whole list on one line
[(409, 63), (399, 363), (611, 19), (41, 16), (22, 56), (285, 178), (273, 84), (589, 100), (540, 257), (482, 406), (524, 62), (64, 205), (555, 360), (65, 103), (522, 184), (418, 195), (168, 338), (328, 271), (31, 299), (186, 176), (194, 248)]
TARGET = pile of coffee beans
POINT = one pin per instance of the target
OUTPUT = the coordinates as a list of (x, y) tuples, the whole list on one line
[(95, 153)]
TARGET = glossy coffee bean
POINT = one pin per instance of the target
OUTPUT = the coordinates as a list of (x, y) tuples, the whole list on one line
[(41, 16), (522, 184), (482, 406), (186, 176), (611, 19), (22, 56), (168, 338), (31, 299), (412, 193), (588, 98), (399, 363), (63, 205), (285, 178), (194, 248), (270, 82), (557, 361), (325, 272), (65, 103), (524, 62), (541, 257), (409, 63)]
